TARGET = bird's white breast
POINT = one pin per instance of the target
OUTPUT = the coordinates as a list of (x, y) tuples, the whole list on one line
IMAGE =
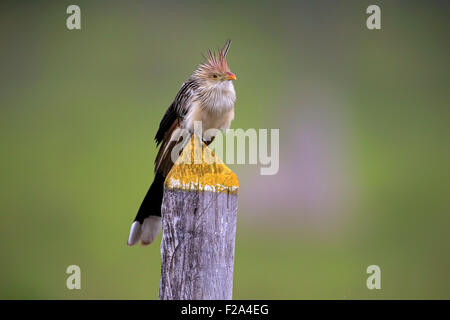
[(214, 110)]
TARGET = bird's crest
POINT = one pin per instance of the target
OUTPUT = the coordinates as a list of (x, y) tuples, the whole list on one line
[(216, 60)]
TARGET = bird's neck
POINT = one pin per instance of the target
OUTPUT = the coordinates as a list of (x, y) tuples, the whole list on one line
[(218, 98)]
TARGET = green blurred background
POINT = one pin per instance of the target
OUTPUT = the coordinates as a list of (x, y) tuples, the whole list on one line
[(364, 157)]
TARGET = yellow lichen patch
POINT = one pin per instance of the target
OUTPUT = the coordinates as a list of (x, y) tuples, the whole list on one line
[(198, 168)]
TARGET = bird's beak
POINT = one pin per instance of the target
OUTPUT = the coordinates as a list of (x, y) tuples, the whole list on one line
[(230, 76)]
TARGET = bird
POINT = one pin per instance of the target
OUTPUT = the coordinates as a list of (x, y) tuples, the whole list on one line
[(208, 96)]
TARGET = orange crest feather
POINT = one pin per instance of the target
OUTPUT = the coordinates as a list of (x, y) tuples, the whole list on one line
[(215, 61)]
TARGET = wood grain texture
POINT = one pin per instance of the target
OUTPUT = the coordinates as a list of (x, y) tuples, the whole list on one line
[(197, 250), (199, 228)]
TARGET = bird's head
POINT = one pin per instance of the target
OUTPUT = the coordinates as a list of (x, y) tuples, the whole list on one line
[(215, 69)]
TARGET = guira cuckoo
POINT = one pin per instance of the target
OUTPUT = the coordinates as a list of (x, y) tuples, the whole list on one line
[(207, 96)]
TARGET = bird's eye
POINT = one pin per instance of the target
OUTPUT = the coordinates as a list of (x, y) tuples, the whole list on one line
[(215, 76)]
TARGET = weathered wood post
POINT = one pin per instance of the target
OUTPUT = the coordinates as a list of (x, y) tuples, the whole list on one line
[(199, 213)]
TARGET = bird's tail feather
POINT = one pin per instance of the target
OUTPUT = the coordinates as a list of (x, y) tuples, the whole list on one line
[(147, 224), (145, 232)]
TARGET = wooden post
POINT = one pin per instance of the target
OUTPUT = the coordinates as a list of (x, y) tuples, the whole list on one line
[(199, 213)]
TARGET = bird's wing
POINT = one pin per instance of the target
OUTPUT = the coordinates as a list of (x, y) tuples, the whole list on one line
[(177, 110), (169, 124)]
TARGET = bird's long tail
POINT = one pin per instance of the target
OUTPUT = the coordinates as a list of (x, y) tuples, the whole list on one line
[(147, 224)]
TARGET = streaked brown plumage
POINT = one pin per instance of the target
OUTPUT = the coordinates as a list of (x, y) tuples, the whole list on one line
[(207, 96)]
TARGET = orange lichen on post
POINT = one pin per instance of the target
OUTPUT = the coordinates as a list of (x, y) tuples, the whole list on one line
[(199, 216), (199, 169)]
